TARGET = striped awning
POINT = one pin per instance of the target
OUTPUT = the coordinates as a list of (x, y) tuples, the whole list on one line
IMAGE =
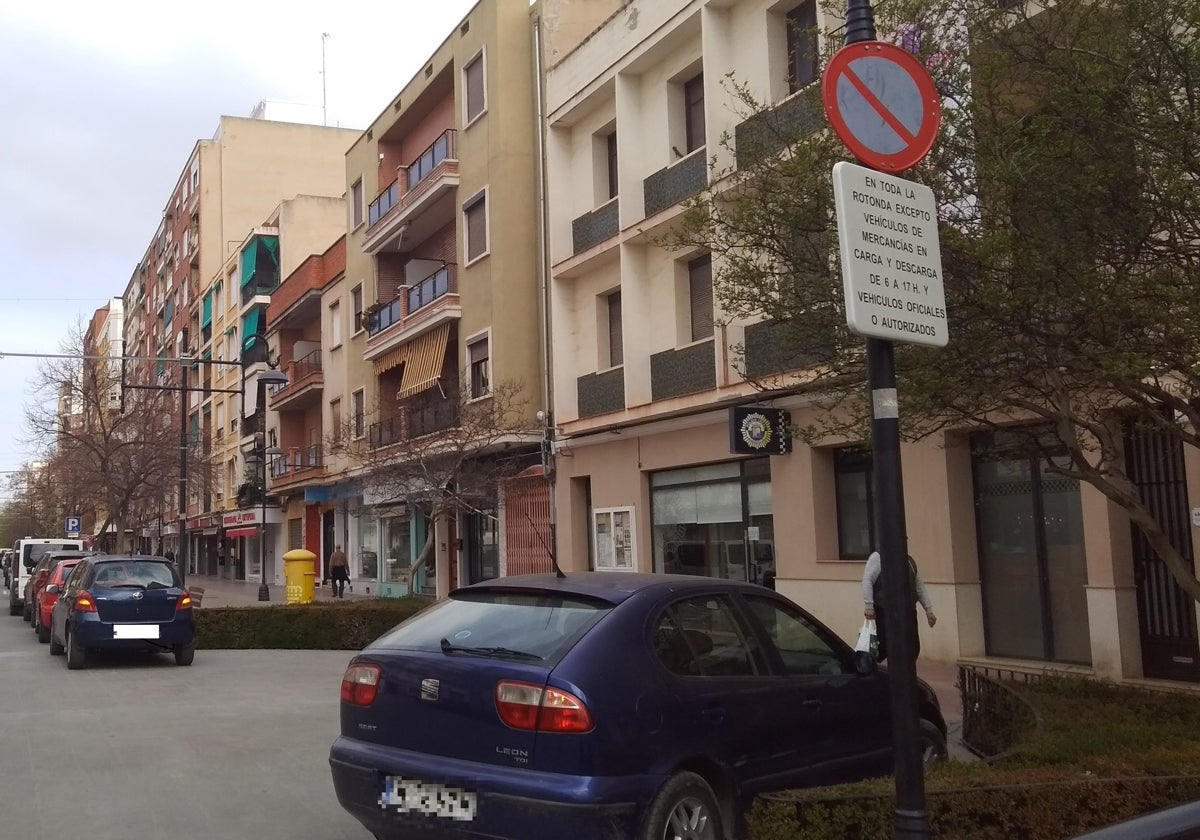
[(390, 359), (423, 365)]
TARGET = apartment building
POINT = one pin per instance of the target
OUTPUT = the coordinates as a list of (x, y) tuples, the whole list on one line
[(654, 420), (103, 343), (440, 306), (228, 186)]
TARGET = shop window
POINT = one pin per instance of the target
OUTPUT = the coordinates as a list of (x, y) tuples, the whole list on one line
[(714, 520), (295, 533), (855, 502)]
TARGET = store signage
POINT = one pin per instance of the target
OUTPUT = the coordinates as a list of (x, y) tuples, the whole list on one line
[(240, 517), (754, 430)]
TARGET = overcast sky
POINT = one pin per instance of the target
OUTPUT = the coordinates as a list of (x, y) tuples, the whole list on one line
[(100, 107)]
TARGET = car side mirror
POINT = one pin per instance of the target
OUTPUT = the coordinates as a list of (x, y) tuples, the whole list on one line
[(29, 564), (52, 589)]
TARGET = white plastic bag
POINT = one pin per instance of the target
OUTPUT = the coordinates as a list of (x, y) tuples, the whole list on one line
[(866, 637)]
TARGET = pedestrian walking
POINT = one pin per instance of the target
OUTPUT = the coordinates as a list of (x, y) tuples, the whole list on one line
[(873, 601), (339, 573)]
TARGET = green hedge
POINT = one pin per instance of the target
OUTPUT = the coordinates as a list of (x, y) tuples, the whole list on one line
[(1102, 754), (350, 625)]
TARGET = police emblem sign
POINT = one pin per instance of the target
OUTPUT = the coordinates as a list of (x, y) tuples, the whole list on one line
[(754, 430)]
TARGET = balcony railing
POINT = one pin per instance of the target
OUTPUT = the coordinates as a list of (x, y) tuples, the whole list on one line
[(420, 418), (257, 287), (426, 164), (441, 149), (387, 199), (429, 289), (297, 461), (439, 284), (306, 366), (381, 319)]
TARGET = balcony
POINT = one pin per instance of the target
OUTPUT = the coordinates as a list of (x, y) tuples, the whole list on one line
[(601, 393), (594, 227), (306, 381), (298, 465), (766, 133), (421, 197), (676, 183), (418, 297), (687, 370), (418, 417)]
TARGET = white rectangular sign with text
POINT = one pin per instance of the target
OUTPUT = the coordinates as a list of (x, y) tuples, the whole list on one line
[(891, 259)]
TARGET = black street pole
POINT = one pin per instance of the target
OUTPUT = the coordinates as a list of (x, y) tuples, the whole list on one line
[(181, 555), (911, 817), (264, 591)]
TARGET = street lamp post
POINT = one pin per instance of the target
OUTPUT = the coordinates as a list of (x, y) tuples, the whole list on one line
[(271, 376)]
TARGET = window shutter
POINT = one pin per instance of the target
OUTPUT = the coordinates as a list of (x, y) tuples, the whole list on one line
[(475, 92), (476, 229), (478, 351), (616, 353), (701, 297)]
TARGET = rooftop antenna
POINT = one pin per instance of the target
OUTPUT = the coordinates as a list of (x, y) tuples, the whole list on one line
[(324, 114)]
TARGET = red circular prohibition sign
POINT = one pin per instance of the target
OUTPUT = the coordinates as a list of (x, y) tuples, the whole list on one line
[(882, 103)]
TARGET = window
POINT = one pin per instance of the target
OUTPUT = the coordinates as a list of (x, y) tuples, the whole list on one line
[(231, 481), (335, 324), (693, 112), (220, 420), (701, 637), (477, 355), (475, 88), (475, 215), (616, 353), (356, 204), (356, 307), (855, 502), (802, 45), (700, 297), (610, 143), (802, 645), (335, 419), (231, 351), (357, 429)]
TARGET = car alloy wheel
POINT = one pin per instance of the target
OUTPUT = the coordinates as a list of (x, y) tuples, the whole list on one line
[(933, 745), (76, 657), (684, 809)]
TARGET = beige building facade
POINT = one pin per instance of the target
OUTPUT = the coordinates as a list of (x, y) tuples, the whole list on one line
[(440, 305), (1026, 570)]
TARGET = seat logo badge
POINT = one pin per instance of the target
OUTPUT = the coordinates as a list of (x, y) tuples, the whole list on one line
[(430, 689)]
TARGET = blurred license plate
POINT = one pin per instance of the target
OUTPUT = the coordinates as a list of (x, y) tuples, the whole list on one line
[(135, 631), (412, 796)]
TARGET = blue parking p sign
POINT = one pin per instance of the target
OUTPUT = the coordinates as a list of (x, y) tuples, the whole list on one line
[(74, 524)]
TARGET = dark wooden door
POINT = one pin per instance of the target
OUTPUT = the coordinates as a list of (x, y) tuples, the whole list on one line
[(1166, 614)]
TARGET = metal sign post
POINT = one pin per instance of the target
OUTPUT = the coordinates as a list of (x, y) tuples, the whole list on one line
[(882, 104)]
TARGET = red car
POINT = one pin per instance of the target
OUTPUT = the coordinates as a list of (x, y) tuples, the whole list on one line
[(45, 593)]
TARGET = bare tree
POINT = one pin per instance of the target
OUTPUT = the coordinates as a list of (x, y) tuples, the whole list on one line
[(444, 454), (114, 456)]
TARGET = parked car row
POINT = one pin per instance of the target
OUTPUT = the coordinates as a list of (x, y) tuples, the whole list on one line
[(598, 705), (79, 602)]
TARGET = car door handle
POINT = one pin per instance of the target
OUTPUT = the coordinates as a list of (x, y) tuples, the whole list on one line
[(714, 714), (810, 705)]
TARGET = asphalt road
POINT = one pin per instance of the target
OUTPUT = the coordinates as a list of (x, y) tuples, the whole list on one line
[(137, 748)]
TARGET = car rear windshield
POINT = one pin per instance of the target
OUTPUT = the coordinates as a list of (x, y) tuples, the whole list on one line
[(148, 575), (542, 625), (36, 550)]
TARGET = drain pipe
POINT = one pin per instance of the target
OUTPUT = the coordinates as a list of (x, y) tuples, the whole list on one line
[(547, 419)]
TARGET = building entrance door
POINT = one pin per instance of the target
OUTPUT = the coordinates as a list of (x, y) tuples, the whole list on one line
[(1166, 614)]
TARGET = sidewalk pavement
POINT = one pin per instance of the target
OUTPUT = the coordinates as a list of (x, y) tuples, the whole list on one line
[(222, 592)]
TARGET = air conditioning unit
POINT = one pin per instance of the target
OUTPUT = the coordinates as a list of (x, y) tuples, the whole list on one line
[(114, 399)]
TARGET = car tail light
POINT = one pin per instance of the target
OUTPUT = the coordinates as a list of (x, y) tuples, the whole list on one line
[(84, 602), (184, 602), (360, 685), (538, 708)]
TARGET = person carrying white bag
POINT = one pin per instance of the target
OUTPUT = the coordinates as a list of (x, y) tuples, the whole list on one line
[(872, 596)]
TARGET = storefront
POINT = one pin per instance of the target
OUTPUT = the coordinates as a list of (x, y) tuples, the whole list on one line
[(241, 548)]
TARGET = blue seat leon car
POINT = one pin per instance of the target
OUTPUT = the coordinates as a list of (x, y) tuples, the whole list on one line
[(604, 705), (123, 602)]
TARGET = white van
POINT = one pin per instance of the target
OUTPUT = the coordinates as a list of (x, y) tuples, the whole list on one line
[(27, 553)]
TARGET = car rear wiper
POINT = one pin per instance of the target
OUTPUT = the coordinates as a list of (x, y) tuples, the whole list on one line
[(499, 652)]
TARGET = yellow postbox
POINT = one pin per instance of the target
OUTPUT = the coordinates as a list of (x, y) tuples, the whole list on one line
[(300, 575)]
